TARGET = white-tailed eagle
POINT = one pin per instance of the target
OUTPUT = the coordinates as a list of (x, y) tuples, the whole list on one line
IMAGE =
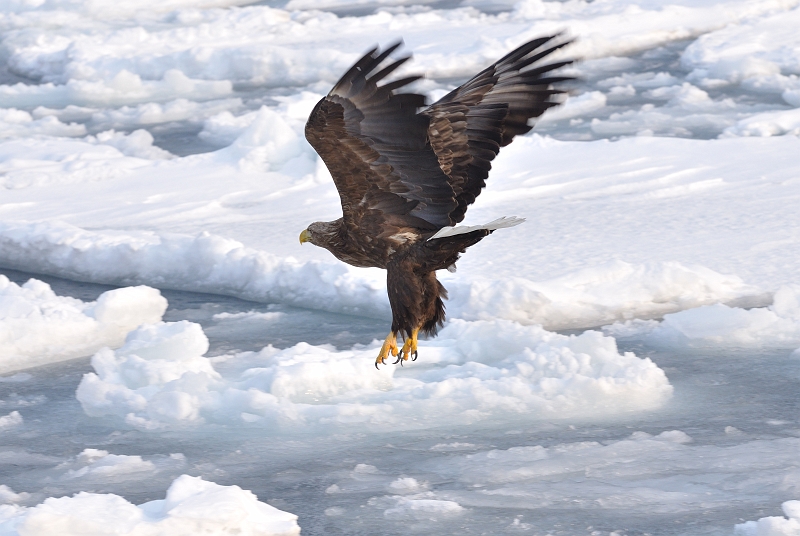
[(406, 173)]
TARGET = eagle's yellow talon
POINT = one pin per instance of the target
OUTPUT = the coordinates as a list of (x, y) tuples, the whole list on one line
[(389, 347), (410, 346)]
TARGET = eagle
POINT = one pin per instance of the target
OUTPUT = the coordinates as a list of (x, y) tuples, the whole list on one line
[(406, 172)]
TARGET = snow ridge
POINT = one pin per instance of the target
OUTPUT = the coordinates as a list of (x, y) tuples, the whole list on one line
[(218, 265)]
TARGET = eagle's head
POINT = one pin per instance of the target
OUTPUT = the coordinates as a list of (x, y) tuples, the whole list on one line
[(320, 233)]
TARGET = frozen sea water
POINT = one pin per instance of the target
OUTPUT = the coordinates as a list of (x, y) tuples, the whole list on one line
[(625, 224), (733, 459), (646, 111)]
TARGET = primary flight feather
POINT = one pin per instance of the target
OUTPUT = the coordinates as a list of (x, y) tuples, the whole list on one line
[(406, 173)]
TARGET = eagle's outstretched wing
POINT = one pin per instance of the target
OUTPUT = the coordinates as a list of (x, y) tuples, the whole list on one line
[(399, 168), (376, 148), (470, 124)]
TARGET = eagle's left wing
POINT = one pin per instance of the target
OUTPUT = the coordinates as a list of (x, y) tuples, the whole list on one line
[(376, 148)]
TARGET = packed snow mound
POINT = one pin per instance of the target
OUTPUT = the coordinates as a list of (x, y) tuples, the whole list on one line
[(39, 327), (776, 326), (472, 371), (192, 506), (761, 53), (217, 265), (774, 525), (267, 143), (767, 124), (201, 263), (19, 123), (595, 295)]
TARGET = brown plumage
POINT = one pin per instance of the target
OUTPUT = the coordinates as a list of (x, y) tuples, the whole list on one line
[(404, 173)]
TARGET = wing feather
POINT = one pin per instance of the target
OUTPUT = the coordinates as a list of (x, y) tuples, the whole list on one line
[(397, 168), (497, 104), (376, 147)]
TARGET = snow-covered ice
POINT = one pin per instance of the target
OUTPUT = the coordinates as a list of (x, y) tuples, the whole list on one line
[(774, 525), (38, 327), (210, 263), (720, 325), (159, 145), (474, 371), (192, 506)]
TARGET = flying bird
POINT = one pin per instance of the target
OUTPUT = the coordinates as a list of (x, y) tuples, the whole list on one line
[(407, 173)]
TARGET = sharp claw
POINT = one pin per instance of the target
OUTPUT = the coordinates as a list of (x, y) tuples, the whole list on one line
[(389, 347), (414, 355), (399, 359)]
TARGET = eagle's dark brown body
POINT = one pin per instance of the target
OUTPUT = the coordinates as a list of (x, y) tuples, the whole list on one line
[(405, 174)]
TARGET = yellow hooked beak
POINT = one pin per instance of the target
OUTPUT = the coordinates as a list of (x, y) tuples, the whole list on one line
[(305, 236)]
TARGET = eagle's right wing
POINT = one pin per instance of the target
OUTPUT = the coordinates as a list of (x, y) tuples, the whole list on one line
[(470, 124)]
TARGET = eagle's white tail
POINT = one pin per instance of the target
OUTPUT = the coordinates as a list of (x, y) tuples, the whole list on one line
[(499, 223)]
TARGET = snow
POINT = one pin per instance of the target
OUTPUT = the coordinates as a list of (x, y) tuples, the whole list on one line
[(774, 525), (768, 123), (11, 420), (159, 145), (759, 52), (192, 506), (125, 88), (38, 327), (720, 325), (475, 371), (209, 263), (94, 464)]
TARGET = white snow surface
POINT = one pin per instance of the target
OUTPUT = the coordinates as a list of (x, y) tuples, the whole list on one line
[(594, 210), (761, 52), (192, 506), (39, 327), (473, 371), (719, 325), (626, 223), (209, 263)]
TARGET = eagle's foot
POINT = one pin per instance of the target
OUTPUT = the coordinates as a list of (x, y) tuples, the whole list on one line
[(409, 348), (389, 347)]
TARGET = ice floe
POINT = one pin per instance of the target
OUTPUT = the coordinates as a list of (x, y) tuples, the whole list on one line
[(776, 326), (11, 420), (192, 506), (125, 88), (39, 327), (100, 465), (672, 472), (100, 97), (774, 525), (208, 263), (759, 52), (767, 124), (471, 372)]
